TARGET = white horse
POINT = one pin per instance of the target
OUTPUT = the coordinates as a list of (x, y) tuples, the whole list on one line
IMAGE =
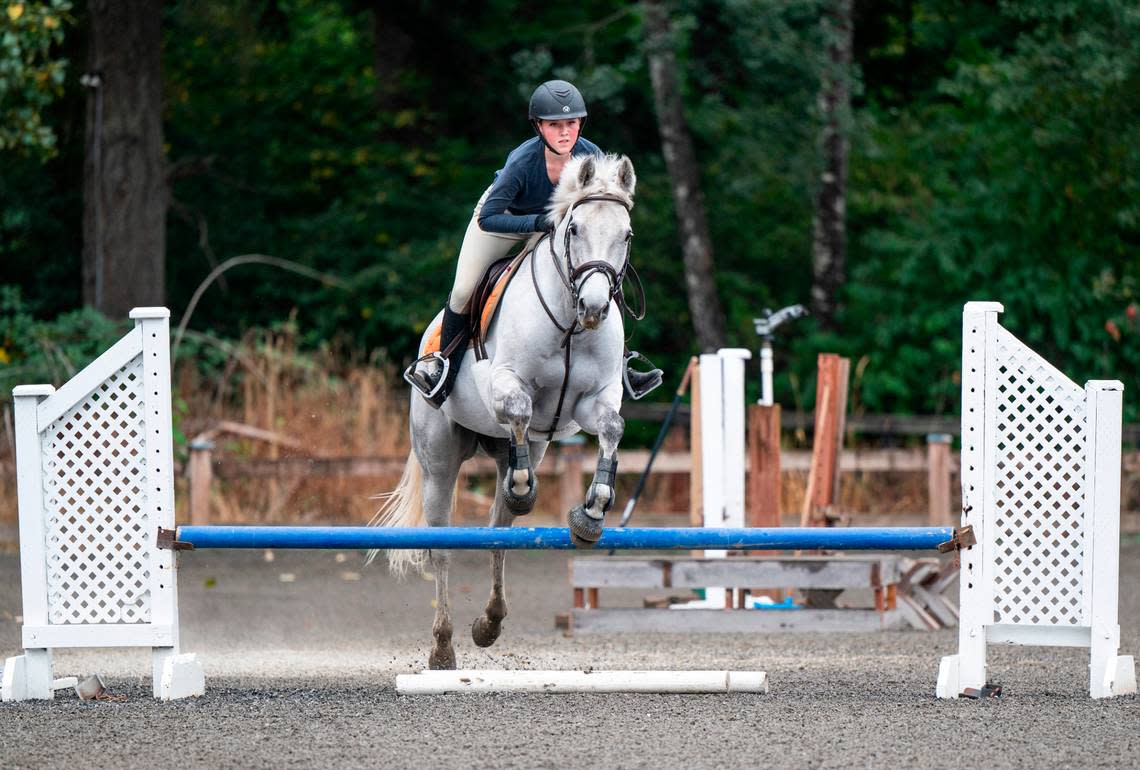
[(555, 358)]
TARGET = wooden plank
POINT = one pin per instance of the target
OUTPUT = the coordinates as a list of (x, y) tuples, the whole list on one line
[(936, 605), (859, 571), (632, 462), (613, 573), (310, 467), (745, 573), (866, 424), (626, 620), (918, 618)]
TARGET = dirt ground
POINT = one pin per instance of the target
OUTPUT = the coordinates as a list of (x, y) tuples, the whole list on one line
[(301, 655)]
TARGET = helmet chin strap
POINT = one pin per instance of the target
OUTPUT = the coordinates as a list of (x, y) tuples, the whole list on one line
[(537, 130)]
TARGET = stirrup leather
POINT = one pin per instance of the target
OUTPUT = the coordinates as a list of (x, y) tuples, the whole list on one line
[(643, 383), (419, 381)]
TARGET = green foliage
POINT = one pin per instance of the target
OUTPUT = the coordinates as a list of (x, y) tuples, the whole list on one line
[(994, 155), (1014, 179), (34, 351), (31, 72)]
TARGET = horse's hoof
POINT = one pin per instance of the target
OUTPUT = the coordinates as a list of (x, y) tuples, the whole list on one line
[(484, 632), (442, 659), (585, 530), (520, 505)]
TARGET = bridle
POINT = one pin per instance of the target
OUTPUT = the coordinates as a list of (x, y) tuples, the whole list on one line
[(573, 277)]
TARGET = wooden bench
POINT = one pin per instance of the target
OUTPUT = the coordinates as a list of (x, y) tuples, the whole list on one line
[(907, 593)]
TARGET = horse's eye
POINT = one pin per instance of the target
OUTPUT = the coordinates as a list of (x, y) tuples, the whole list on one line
[(629, 236), (572, 229)]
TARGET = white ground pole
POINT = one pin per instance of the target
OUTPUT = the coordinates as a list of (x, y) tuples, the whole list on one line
[(479, 681), (95, 480), (722, 451), (1041, 489)]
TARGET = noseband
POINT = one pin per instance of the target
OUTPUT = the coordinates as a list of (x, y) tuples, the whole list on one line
[(573, 277)]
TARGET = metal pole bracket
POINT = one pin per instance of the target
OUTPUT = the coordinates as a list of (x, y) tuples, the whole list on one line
[(963, 538), (167, 542)]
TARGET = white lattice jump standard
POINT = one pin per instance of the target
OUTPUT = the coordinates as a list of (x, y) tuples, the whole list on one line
[(1041, 476), (95, 481), (1041, 489)]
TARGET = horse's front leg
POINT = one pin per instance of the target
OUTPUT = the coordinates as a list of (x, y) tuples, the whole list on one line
[(512, 405), (600, 417)]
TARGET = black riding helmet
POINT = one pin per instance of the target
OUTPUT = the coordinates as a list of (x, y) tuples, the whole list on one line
[(556, 100)]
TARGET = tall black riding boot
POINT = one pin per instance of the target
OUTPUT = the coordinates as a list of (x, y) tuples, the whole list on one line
[(453, 338)]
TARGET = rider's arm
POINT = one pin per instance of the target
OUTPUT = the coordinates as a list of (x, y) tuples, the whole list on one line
[(493, 217)]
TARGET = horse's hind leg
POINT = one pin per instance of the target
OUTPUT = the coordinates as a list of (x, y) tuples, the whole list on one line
[(441, 447), (487, 627), (512, 406)]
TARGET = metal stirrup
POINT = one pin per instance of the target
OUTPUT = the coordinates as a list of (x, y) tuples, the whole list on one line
[(410, 374)]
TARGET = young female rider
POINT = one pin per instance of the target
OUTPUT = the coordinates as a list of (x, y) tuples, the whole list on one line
[(509, 211)]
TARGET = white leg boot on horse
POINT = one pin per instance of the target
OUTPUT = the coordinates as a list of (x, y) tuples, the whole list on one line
[(599, 416)]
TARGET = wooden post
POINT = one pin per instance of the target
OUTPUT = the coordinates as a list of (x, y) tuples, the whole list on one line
[(764, 487), (807, 511), (827, 440), (938, 478), (200, 469), (764, 459), (842, 379), (570, 478)]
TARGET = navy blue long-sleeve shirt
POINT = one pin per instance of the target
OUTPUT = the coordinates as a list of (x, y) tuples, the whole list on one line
[(522, 188)]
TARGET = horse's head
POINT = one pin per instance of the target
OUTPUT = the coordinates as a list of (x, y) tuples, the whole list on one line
[(592, 205)]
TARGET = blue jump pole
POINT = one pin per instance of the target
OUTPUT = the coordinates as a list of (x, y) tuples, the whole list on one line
[(558, 538)]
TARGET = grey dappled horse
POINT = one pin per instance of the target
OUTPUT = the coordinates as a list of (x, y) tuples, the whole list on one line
[(565, 295)]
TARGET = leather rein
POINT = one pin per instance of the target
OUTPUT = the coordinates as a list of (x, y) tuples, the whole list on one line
[(573, 277)]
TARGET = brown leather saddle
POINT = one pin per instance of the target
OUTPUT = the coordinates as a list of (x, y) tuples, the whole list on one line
[(483, 304)]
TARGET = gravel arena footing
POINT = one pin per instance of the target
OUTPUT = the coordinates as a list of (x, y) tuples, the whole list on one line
[(301, 654)]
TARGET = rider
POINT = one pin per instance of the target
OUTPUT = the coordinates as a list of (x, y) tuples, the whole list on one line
[(509, 211)]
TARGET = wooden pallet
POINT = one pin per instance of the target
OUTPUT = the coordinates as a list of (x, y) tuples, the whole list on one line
[(907, 593)]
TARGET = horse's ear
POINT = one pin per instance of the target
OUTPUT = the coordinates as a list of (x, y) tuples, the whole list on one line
[(586, 171), (625, 176)]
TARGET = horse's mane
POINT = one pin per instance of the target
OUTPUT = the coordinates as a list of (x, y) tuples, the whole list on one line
[(604, 182)]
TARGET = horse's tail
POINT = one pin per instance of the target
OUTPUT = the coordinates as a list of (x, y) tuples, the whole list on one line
[(403, 507)]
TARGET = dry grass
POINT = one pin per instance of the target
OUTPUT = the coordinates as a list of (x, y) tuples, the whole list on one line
[(328, 405), (335, 405)]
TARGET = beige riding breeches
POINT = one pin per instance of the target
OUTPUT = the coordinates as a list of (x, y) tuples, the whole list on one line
[(479, 250)]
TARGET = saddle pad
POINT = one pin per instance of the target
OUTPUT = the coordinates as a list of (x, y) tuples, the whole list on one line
[(489, 304)]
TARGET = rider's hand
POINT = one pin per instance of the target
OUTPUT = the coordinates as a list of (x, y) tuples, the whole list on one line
[(543, 224)]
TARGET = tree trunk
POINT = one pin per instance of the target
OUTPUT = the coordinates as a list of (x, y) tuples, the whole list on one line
[(829, 243), (680, 160), (124, 172)]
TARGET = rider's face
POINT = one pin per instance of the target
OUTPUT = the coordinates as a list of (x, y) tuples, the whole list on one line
[(560, 134)]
